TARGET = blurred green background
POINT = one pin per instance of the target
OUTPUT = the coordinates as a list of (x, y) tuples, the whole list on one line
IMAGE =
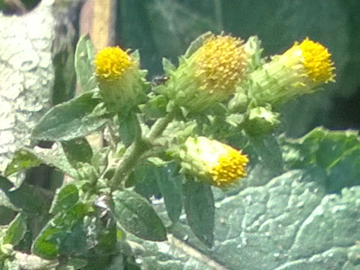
[(164, 28)]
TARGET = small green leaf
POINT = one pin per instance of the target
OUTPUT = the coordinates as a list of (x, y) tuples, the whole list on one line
[(16, 230), (196, 44), (84, 63), (70, 120), (23, 159), (199, 209), (77, 150), (156, 106), (65, 197), (168, 66), (129, 128), (137, 216)]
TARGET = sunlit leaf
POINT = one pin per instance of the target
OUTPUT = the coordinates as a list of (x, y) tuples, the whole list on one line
[(16, 230), (84, 63), (70, 120)]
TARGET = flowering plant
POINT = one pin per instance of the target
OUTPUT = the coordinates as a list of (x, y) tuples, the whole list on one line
[(194, 130)]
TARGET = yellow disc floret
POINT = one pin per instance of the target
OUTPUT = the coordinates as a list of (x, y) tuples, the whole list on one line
[(230, 167), (317, 62), (209, 73), (111, 63), (221, 62)]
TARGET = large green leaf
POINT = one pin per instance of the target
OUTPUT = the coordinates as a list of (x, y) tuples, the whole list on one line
[(137, 216), (199, 209), (336, 152), (29, 158), (72, 119), (84, 63)]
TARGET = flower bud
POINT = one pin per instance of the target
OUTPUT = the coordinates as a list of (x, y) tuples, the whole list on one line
[(207, 76), (212, 161), (300, 70), (121, 82)]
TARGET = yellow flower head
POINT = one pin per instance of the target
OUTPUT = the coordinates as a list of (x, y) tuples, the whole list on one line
[(209, 74), (213, 161), (315, 59), (121, 82), (300, 70), (111, 63), (221, 62)]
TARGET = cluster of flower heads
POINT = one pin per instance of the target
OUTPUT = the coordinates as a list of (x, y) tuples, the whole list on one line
[(214, 69)]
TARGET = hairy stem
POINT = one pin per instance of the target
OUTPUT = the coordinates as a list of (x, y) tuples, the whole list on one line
[(137, 149)]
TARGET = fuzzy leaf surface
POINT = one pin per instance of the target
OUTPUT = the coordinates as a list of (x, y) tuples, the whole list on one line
[(70, 120), (84, 63), (199, 209), (137, 216)]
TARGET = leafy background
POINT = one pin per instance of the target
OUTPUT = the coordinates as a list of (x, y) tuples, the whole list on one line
[(302, 217)]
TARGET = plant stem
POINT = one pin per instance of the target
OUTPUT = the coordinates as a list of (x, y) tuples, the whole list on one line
[(160, 125), (137, 149)]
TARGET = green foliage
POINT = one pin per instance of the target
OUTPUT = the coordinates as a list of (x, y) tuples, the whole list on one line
[(16, 230), (70, 120), (115, 194), (77, 150), (84, 63), (335, 152), (137, 216), (199, 208)]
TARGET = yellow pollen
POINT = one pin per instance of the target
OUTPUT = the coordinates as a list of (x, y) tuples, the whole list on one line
[(221, 62), (317, 62), (231, 166), (111, 63)]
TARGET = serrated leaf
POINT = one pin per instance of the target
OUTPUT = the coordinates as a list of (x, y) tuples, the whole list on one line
[(199, 209), (137, 216), (29, 158), (65, 197), (70, 120), (84, 63), (170, 188), (77, 150), (16, 230)]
